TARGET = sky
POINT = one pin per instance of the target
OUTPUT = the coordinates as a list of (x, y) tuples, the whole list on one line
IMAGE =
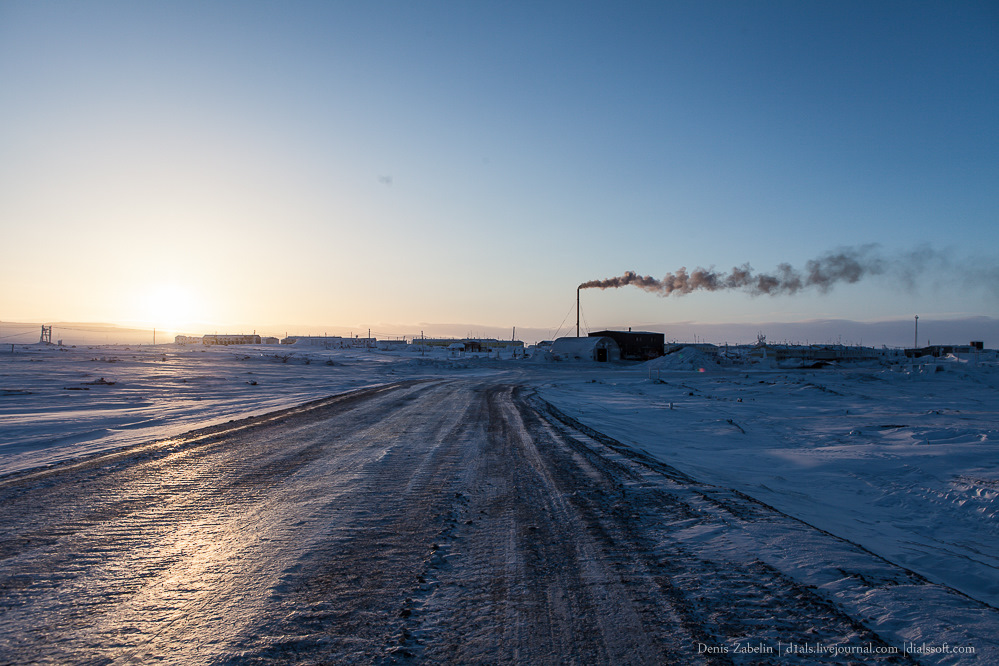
[(389, 165)]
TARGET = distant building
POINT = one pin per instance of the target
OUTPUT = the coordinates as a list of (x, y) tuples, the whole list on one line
[(321, 341), (329, 341), (226, 340), (470, 344), (592, 348), (637, 345), (427, 343), (187, 339), (705, 347), (492, 344), (817, 353), (937, 351), (269, 341)]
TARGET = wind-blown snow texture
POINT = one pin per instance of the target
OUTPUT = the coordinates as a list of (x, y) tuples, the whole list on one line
[(904, 461), (57, 403)]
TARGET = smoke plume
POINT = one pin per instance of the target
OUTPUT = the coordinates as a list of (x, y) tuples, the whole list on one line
[(847, 265)]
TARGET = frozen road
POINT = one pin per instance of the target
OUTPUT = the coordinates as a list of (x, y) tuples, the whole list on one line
[(458, 521)]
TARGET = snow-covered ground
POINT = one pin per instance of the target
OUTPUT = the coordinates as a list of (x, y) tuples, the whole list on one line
[(61, 402), (904, 461)]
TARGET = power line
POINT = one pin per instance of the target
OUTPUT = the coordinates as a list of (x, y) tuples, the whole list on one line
[(108, 331), (19, 335), (571, 307)]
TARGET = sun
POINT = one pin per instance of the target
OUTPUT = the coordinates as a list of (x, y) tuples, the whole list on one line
[(170, 306)]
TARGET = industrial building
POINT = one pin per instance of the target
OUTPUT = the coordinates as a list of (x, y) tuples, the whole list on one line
[(636, 345), (592, 348)]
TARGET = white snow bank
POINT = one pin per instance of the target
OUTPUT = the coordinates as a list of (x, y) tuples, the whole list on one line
[(685, 358)]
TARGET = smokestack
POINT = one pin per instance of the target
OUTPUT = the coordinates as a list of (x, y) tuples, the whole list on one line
[(577, 309)]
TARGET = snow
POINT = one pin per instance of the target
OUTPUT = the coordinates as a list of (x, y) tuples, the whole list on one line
[(905, 464), (57, 403), (902, 461), (686, 358)]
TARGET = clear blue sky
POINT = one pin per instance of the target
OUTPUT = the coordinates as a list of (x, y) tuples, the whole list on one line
[(390, 163)]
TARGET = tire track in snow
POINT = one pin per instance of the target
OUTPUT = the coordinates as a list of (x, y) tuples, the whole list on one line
[(119, 557), (565, 550), (458, 521)]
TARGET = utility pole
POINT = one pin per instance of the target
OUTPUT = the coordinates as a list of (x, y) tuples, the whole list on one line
[(915, 337)]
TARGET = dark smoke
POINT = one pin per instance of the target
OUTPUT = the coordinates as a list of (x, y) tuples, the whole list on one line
[(847, 265)]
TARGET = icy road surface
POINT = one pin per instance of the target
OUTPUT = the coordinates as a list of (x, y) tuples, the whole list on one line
[(447, 521)]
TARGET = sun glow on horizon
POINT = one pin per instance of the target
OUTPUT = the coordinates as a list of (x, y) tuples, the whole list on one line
[(170, 306)]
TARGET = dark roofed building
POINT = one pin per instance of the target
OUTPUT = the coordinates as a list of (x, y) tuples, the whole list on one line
[(637, 345)]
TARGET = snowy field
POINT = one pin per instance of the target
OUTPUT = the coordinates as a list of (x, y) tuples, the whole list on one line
[(61, 402), (903, 461)]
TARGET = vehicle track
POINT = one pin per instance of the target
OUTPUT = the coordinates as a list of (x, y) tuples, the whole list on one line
[(460, 521)]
